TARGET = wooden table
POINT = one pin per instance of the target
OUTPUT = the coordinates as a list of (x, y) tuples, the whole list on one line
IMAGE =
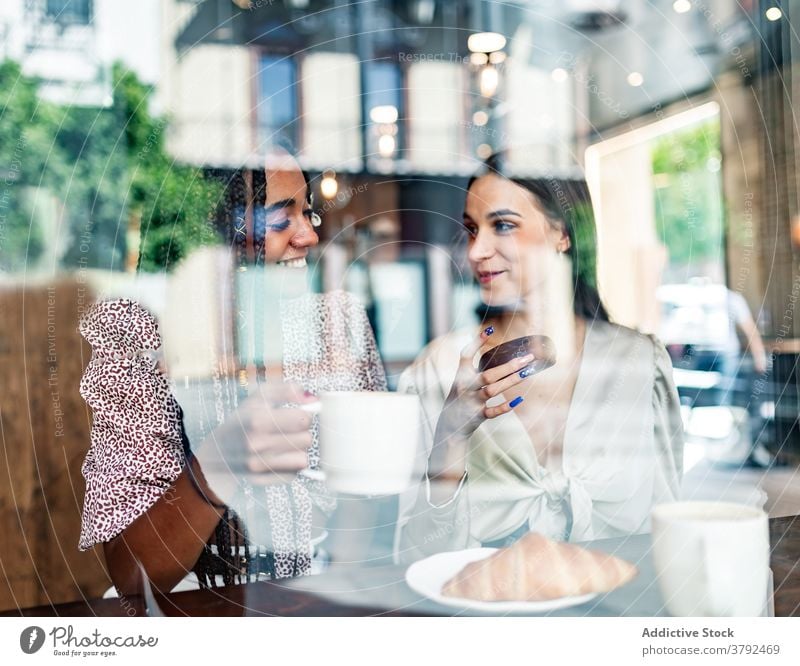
[(381, 591), (784, 536)]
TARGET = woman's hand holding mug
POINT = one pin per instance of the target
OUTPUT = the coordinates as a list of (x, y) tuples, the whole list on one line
[(264, 439)]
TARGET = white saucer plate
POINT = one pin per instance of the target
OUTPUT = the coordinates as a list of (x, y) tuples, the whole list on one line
[(428, 576)]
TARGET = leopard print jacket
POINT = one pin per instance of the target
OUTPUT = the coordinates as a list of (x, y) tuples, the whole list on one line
[(136, 448)]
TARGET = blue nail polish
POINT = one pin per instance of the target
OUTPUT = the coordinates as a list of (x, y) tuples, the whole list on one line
[(526, 371), (488, 330), (515, 402)]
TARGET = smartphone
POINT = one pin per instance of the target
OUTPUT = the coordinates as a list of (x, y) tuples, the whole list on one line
[(542, 348)]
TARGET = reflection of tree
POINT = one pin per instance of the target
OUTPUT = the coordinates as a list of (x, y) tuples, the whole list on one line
[(585, 254), (687, 197), (106, 166), (174, 202), (22, 149)]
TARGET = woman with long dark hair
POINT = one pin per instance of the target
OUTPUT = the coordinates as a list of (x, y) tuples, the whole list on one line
[(576, 446)]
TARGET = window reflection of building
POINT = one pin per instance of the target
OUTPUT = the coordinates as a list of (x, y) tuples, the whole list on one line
[(277, 103), (385, 92), (541, 116), (69, 11), (70, 45), (437, 104), (330, 112), (399, 289), (369, 107)]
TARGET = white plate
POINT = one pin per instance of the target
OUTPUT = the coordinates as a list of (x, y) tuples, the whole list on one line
[(428, 576)]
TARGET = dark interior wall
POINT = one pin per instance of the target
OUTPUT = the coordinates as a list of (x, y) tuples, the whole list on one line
[(431, 209)]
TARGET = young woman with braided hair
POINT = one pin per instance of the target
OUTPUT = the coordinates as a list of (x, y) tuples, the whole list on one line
[(148, 500)]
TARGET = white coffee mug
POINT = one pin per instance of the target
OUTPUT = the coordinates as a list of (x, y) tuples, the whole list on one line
[(368, 441), (711, 558)]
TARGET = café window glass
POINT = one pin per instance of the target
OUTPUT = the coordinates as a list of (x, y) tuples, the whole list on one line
[(436, 117), (69, 11), (277, 104), (385, 86), (399, 289), (329, 88)]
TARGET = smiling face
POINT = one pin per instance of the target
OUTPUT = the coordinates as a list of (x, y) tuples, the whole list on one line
[(289, 230), (510, 239)]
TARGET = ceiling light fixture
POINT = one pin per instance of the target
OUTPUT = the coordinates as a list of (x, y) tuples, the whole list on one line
[(486, 42), (386, 145), (489, 80), (383, 115), (773, 14), (424, 11), (486, 48), (635, 79), (681, 6), (480, 118), (329, 185)]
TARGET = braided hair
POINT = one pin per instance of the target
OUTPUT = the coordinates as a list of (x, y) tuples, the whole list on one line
[(228, 554)]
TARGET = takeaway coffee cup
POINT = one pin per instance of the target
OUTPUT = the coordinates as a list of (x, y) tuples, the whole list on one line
[(711, 558), (368, 441)]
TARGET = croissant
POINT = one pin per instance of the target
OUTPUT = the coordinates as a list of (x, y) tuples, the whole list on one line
[(538, 569)]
